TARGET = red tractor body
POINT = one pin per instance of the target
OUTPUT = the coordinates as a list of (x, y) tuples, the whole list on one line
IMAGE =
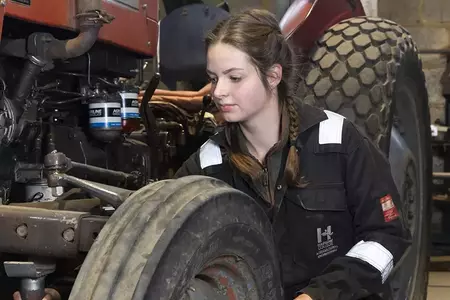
[(306, 20), (135, 26)]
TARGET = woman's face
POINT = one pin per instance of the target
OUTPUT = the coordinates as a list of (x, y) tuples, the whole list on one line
[(237, 89)]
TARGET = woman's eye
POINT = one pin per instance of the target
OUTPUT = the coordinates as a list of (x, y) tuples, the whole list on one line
[(213, 80), (235, 79)]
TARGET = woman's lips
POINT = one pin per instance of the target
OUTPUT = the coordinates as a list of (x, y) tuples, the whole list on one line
[(227, 107)]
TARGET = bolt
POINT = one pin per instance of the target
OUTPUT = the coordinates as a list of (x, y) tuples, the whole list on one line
[(191, 288), (3, 2), (22, 230), (144, 6), (69, 235), (149, 43)]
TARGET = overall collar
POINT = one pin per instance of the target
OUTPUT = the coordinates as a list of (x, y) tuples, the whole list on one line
[(309, 116)]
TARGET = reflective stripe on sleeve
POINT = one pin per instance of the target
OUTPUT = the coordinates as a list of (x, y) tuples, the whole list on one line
[(374, 254)]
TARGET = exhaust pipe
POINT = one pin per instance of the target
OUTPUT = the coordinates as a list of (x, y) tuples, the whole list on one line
[(90, 19)]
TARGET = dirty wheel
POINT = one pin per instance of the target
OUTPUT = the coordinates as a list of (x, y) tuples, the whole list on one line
[(368, 70), (191, 238)]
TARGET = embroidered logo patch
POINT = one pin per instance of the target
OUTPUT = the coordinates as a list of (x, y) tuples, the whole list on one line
[(390, 212)]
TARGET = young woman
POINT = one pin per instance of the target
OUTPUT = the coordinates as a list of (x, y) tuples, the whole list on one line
[(327, 189)]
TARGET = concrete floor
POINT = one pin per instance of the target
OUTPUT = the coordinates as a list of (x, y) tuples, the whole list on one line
[(439, 286), (439, 278)]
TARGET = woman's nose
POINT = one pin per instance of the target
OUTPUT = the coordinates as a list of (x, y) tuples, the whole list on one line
[(220, 89)]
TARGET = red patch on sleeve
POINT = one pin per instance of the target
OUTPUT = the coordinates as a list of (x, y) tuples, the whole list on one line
[(389, 210)]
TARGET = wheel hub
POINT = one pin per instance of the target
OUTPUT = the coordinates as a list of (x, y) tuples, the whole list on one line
[(224, 278)]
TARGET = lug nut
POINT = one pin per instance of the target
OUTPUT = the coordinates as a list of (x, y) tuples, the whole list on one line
[(69, 235), (191, 288), (22, 230)]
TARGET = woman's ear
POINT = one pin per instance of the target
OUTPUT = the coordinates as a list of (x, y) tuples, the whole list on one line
[(274, 75)]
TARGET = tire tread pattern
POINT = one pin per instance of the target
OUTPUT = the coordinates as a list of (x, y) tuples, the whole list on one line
[(352, 72)]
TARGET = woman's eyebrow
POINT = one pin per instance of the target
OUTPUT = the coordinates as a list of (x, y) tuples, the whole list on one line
[(224, 72)]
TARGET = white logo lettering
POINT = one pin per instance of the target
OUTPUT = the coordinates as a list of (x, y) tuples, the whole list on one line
[(95, 112), (326, 233), (116, 112), (325, 245)]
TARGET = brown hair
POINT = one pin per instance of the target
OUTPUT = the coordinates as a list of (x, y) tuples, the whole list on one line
[(256, 32)]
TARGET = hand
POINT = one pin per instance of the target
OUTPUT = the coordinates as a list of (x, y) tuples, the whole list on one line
[(303, 297), (50, 294)]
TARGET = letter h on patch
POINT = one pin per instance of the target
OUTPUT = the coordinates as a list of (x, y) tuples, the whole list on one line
[(326, 233)]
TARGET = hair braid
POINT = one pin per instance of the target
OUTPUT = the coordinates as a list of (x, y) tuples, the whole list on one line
[(292, 170)]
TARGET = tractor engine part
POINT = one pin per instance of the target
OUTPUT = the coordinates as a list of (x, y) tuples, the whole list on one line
[(31, 70), (118, 176), (8, 123), (105, 120), (90, 17), (39, 191), (57, 164), (42, 49), (131, 119), (112, 195), (32, 283), (149, 122), (15, 112)]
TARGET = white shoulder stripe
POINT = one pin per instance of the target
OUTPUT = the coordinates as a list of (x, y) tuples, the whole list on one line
[(210, 154), (376, 255), (330, 130)]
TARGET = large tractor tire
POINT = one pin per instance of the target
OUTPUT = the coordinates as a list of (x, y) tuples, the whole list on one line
[(191, 238), (368, 70)]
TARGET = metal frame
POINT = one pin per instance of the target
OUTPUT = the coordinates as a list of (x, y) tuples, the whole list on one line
[(48, 233)]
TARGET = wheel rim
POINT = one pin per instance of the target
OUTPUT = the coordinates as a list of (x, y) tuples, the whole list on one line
[(226, 277), (411, 190)]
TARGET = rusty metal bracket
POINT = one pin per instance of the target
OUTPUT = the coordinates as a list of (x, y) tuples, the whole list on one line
[(90, 227), (96, 17), (47, 233)]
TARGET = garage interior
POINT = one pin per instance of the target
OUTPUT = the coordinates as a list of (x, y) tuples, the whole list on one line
[(134, 161)]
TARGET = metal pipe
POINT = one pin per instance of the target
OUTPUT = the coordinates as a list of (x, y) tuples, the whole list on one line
[(110, 194), (56, 164), (29, 74), (32, 288), (149, 121), (32, 274), (168, 125), (441, 175), (91, 19), (101, 172)]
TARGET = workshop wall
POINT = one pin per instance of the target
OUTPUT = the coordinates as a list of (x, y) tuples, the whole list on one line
[(429, 23)]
